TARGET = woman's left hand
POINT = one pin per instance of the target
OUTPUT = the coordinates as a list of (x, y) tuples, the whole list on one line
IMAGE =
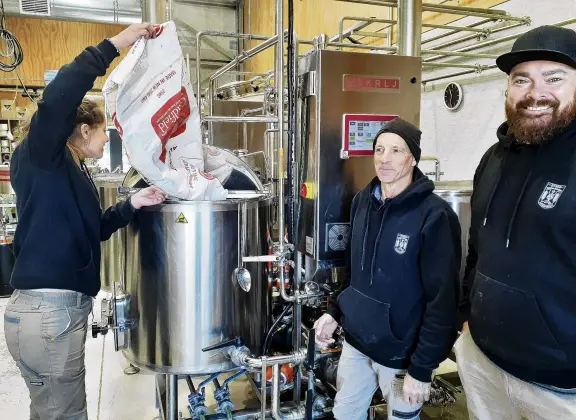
[(147, 197)]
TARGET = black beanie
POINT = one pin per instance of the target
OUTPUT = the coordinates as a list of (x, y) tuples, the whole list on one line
[(409, 133)]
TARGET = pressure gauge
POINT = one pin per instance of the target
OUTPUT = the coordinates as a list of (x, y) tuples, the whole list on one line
[(453, 95)]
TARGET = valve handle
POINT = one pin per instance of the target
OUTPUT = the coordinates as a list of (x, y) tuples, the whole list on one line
[(311, 350), (236, 342)]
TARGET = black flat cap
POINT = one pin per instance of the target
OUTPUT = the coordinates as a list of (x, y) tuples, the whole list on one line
[(548, 43)]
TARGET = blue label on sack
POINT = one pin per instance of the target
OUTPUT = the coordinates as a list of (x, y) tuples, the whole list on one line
[(12, 320), (36, 382)]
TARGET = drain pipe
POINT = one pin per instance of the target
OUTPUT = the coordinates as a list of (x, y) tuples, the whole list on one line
[(297, 413)]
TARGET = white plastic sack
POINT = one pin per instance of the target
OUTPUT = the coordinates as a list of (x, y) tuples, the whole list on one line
[(151, 102)]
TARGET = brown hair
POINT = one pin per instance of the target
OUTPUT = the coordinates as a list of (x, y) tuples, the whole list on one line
[(89, 112)]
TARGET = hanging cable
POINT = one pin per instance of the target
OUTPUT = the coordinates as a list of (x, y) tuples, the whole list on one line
[(13, 49), (10, 50)]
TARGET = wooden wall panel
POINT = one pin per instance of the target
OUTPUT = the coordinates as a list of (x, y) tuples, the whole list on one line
[(49, 44), (313, 17)]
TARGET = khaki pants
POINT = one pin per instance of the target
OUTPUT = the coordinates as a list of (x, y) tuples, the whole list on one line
[(46, 333), (358, 378), (493, 394)]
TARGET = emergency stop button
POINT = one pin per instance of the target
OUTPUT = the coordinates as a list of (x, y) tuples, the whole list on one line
[(303, 190)]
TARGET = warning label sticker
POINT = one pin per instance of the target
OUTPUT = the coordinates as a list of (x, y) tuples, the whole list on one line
[(181, 219)]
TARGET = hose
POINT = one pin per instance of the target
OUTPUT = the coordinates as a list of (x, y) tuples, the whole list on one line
[(291, 121), (274, 328)]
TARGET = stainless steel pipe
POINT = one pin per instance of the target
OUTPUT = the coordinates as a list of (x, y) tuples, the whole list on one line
[(442, 8), (458, 54), (478, 67), (231, 119), (171, 397), (496, 41), (470, 37), (409, 28), (472, 25), (361, 46), (297, 413), (245, 55), (241, 357), (279, 79), (203, 34), (460, 73)]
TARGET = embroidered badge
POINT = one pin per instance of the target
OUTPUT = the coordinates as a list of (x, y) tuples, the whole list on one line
[(401, 243), (550, 195)]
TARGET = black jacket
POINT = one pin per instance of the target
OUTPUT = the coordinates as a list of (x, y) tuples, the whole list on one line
[(520, 285), (400, 301), (60, 222)]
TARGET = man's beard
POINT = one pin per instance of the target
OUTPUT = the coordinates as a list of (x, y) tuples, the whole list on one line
[(530, 130)]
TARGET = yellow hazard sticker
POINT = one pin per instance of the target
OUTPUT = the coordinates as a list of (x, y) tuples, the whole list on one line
[(181, 219)]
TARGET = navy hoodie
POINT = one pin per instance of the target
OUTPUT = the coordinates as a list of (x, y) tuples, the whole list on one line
[(60, 221), (520, 282), (400, 300)]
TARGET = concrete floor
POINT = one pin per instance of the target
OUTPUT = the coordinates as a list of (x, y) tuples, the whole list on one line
[(123, 397)]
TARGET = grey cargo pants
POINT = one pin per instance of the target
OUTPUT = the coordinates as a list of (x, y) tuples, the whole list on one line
[(46, 333)]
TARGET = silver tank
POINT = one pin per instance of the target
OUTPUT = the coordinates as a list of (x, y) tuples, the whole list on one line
[(113, 250), (181, 295), (458, 194)]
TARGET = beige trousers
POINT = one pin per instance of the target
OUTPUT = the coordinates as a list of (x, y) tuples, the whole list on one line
[(493, 394), (357, 381), (45, 333)]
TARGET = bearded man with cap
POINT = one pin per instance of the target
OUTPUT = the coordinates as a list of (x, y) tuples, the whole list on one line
[(517, 353), (399, 303)]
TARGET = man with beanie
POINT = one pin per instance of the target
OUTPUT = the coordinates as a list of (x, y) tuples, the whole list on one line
[(399, 302), (517, 353)]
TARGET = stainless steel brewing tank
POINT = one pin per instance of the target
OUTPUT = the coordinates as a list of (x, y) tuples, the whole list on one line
[(113, 250), (181, 294), (458, 194)]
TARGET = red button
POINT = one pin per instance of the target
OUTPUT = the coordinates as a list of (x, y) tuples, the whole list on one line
[(303, 191)]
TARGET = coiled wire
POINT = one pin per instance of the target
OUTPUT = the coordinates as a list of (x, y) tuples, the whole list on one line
[(11, 50)]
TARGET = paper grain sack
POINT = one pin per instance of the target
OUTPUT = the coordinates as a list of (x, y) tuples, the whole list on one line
[(150, 99)]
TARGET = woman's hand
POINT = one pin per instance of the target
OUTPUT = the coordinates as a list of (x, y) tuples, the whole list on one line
[(130, 35), (147, 197)]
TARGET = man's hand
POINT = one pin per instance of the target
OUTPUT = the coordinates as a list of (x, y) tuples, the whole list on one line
[(147, 197), (465, 327), (130, 35), (415, 392), (325, 327)]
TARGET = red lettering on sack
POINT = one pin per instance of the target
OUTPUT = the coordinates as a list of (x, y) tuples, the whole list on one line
[(205, 175), (170, 120), (213, 152), (117, 125)]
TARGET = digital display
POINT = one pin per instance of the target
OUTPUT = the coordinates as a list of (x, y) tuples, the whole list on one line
[(359, 131), (361, 134)]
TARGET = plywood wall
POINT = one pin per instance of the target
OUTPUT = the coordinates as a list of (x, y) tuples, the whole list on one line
[(313, 17), (49, 44)]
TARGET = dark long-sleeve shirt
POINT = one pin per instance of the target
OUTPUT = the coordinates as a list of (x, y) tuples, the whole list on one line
[(60, 221)]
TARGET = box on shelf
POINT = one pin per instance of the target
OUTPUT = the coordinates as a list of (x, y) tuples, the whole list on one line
[(22, 113), (7, 109)]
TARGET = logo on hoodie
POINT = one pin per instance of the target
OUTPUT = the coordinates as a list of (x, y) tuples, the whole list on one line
[(550, 195), (401, 243)]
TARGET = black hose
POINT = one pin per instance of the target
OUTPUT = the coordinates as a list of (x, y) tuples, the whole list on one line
[(274, 329), (190, 384), (291, 121)]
